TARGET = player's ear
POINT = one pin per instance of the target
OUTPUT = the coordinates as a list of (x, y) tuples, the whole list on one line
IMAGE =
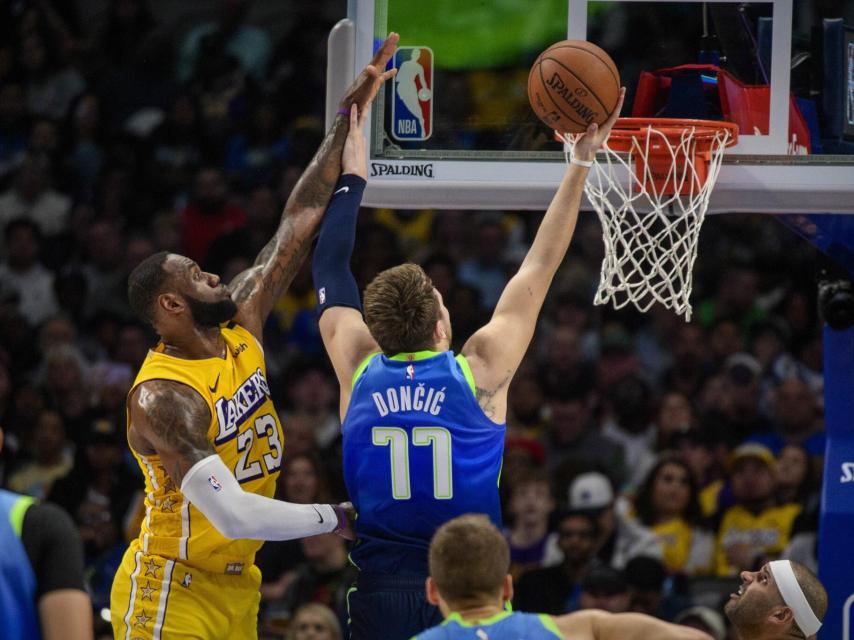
[(507, 588), (781, 616), (439, 332), (432, 592), (170, 303)]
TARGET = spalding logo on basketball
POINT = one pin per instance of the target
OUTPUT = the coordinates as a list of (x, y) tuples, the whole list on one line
[(572, 84)]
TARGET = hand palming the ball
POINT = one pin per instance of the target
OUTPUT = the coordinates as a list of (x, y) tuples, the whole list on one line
[(586, 146)]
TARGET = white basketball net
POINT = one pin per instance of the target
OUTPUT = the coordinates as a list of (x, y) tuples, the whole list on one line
[(650, 237)]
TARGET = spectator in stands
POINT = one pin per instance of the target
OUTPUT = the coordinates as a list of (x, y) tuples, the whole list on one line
[(99, 477), (736, 406), (556, 589), (619, 537), (675, 416), (667, 504), (605, 588), (572, 442), (705, 619), (797, 481), (689, 370), (24, 272), (795, 419), (252, 157), (314, 621), (646, 578), (51, 459), (755, 529), (32, 198), (230, 37), (486, 271), (209, 214), (629, 404), (14, 132), (522, 457), (50, 85), (525, 404), (696, 449), (324, 577), (302, 481), (563, 364), (531, 543)]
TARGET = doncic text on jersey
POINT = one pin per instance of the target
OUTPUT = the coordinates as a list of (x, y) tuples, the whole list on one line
[(405, 398)]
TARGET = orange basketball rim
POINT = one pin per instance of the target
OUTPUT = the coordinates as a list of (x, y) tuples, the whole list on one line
[(662, 148)]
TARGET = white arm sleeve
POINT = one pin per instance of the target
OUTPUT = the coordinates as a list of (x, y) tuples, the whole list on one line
[(238, 514)]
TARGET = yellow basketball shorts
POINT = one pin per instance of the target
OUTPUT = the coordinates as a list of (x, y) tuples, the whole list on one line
[(154, 598)]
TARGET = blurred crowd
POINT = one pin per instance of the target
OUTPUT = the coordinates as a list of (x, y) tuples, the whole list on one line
[(648, 460)]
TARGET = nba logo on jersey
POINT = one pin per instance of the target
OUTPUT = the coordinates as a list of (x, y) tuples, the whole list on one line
[(412, 96), (410, 372)]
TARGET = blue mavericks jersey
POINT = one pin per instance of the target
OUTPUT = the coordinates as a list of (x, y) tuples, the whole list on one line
[(504, 626), (18, 614), (418, 451)]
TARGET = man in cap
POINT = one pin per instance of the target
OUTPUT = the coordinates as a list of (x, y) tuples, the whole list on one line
[(619, 538), (754, 529)]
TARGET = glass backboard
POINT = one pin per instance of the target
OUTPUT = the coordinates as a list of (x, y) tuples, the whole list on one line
[(454, 128)]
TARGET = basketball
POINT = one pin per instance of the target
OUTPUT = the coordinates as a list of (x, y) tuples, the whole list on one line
[(572, 84), (424, 94)]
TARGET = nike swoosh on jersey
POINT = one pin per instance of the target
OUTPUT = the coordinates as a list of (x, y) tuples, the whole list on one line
[(341, 190), (319, 515), (215, 384)]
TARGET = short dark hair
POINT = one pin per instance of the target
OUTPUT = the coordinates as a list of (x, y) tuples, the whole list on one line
[(469, 559), (401, 309), (583, 514), (813, 590), (145, 283), (643, 500), (21, 223)]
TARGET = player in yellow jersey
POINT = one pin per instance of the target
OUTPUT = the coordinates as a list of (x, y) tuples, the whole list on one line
[(204, 430)]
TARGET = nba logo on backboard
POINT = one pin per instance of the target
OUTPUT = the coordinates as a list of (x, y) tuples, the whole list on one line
[(412, 97)]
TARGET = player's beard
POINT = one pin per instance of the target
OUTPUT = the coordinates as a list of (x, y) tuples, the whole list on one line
[(211, 314), (746, 614)]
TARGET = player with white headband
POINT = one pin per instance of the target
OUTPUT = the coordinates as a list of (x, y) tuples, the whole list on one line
[(782, 600)]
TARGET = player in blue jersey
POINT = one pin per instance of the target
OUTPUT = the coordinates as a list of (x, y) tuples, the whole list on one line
[(423, 428), (42, 591), (469, 583)]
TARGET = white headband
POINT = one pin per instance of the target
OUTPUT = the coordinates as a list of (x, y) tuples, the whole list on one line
[(794, 596)]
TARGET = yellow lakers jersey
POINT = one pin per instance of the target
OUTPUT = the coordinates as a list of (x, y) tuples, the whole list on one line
[(245, 432), (767, 532)]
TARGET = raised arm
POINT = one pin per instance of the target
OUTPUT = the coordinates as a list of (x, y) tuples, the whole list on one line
[(345, 334), (600, 625), (257, 289), (171, 420), (495, 351)]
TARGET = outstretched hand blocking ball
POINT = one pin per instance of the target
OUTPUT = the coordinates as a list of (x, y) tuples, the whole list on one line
[(572, 85)]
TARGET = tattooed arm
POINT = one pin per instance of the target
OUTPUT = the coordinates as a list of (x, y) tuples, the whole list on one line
[(495, 351), (171, 420), (256, 290)]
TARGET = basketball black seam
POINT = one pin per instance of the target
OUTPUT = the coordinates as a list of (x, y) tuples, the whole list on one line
[(592, 53), (582, 83), (557, 106)]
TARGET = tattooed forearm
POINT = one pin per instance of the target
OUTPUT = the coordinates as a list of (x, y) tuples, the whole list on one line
[(278, 262), (175, 421)]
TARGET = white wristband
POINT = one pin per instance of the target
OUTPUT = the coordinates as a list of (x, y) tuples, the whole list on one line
[(581, 163)]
